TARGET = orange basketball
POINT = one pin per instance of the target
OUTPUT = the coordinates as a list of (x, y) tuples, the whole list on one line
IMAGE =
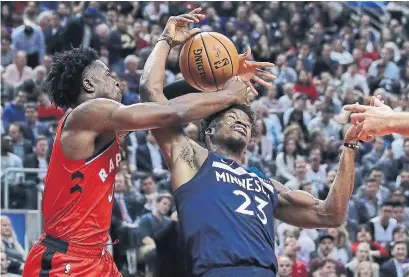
[(207, 60)]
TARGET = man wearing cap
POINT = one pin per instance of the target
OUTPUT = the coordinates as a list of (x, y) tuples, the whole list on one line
[(299, 103), (325, 122), (326, 249), (79, 31)]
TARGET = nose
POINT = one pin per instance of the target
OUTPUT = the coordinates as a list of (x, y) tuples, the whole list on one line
[(117, 83)]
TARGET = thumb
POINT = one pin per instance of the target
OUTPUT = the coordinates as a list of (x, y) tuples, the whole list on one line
[(194, 31)]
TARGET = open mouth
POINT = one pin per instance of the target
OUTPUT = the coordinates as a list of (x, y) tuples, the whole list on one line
[(240, 128)]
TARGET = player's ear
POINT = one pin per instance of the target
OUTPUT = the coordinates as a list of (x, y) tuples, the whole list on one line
[(88, 86), (209, 131)]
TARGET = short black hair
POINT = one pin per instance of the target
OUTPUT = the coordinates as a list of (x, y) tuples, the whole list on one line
[(64, 81), (388, 204), (215, 118)]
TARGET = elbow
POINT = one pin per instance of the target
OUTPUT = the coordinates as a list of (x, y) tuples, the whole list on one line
[(336, 221)]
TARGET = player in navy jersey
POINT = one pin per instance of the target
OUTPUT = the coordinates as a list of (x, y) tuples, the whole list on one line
[(226, 211)]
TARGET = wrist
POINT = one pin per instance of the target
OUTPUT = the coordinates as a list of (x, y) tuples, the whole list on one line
[(165, 39)]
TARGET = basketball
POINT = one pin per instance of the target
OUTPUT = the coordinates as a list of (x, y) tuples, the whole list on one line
[(207, 60)]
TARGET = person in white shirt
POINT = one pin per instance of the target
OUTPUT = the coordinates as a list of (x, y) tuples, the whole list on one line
[(18, 72), (352, 79), (286, 101), (340, 55)]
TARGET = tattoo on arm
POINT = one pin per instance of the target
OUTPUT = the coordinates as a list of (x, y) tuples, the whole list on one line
[(187, 154)]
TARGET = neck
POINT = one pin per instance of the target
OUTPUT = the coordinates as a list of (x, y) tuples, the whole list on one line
[(315, 166), (384, 221), (301, 178), (237, 157), (157, 214), (40, 156)]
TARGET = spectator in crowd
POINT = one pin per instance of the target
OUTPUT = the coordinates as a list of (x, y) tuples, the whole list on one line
[(33, 128), (14, 112), (14, 251), (362, 255), (352, 78), (18, 72), (132, 75), (284, 73), (149, 225), (53, 35), (326, 250), (150, 192), (286, 101), (168, 250), (125, 211), (6, 51), (300, 174), (305, 85), (39, 159), (21, 146), (78, 31), (378, 252), (365, 269), (29, 38), (382, 226), (391, 69), (341, 241), (149, 157), (285, 160), (299, 268), (46, 110), (285, 267), (324, 62), (339, 54), (9, 160), (368, 206), (326, 123), (299, 103), (5, 265), (394, 266)]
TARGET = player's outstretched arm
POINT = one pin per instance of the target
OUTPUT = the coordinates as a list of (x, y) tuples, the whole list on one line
[(379, 120), (301, 209)]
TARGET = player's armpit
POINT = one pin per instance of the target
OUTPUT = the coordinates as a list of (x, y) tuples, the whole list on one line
[(182, 155)]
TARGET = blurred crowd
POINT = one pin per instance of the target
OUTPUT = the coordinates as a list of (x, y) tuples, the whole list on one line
[(324, 58)]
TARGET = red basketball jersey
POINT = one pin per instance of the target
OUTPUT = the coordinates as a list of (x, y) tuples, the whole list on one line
[(78, 194)]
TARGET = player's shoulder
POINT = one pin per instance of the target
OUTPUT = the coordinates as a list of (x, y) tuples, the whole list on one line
[(279, 186), (93, 109)]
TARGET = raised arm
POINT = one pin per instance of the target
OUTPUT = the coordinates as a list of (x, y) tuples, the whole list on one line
[(379, 120), (301, 209)]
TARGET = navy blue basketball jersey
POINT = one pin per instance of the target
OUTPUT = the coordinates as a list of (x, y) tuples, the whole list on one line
[(226, 218)]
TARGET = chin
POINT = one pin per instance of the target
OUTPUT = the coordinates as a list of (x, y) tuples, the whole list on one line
[(235, 144)]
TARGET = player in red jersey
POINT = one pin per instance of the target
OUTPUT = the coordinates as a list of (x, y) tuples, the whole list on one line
[(78, 196)]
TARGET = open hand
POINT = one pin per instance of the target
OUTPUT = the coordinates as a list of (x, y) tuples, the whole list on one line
[(249, 70), (374, 119), (176, 30)]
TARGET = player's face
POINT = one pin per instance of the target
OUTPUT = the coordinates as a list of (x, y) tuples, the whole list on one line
[(234, 130), (104, 84)]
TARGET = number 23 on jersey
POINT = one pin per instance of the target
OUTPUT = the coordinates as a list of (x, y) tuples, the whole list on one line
[(243, 208)]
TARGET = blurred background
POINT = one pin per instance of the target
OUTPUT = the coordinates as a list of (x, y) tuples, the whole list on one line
[(327, 54)]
